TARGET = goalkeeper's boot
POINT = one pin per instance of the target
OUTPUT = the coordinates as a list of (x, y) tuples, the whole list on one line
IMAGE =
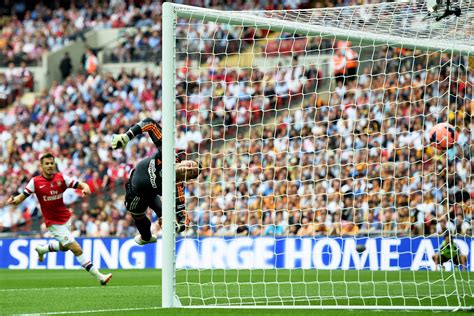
[(141, 242), (182, 220), (105, 278), (40, 253)]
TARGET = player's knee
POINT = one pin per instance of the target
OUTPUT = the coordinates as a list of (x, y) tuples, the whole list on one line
[(75, 248), (138, 216)]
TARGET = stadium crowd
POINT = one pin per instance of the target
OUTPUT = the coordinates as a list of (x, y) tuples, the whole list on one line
[(29, 32), (359, 164), (143, 43), (356, 162)]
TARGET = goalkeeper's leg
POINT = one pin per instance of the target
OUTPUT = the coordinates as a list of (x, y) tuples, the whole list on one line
[(436, 260), (460, 261), (137, 206), (143, 224), (463, 260), (181, 216)]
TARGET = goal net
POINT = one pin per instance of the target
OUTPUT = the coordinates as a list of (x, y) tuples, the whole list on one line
[(320, 186)]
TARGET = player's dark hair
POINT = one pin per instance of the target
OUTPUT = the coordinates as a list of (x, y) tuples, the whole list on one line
[(46, 156), (447, 234)]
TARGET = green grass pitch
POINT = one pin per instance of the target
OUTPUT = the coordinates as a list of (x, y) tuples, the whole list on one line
[(138, 292)]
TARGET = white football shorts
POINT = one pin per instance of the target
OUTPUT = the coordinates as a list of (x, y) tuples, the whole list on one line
[(62, 233)]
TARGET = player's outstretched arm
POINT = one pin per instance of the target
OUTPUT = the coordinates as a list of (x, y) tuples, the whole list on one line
[(146, 125), (119, 141), (15, 200)]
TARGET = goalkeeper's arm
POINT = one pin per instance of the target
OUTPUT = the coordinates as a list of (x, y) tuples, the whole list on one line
[(185, 170), (146, 125)]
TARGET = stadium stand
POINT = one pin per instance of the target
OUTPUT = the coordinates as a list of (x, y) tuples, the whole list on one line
[(76, 119)]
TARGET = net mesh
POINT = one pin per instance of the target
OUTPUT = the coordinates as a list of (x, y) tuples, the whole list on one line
[(320, 183)]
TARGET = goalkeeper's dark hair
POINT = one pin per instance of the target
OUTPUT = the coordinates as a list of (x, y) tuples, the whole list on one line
[(448, 234), (46, 156)]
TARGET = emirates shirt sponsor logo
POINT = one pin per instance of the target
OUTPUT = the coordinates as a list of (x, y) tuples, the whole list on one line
[(53, 197)]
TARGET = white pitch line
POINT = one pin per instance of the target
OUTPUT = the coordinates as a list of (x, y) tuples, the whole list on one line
[(332, 307), (93, 311), (73, 288)]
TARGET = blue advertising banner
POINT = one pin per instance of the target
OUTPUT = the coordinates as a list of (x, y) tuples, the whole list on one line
[(383, 254)]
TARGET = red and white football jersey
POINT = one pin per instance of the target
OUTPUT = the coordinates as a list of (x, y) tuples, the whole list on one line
[(50, 197)]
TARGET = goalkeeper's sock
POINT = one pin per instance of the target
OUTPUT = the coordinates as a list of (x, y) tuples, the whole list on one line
[(53, 246), (88, 266), (143, 225)]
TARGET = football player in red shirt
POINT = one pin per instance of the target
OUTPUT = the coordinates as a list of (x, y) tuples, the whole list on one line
[(49, 188)]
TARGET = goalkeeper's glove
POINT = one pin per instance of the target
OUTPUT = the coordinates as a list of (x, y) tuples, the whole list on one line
[(120, 141)]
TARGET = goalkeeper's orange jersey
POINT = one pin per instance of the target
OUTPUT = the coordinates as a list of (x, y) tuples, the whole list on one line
[(147, 176)]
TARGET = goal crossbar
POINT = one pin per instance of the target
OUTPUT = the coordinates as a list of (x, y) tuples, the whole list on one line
[(359, 37)]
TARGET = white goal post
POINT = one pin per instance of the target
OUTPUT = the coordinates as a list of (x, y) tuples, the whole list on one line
[(320, 188)]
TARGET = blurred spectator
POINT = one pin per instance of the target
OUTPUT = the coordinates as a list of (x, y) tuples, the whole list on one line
[(16, 80), (25, 77), (5, 92), (91, 62), (65, 66)]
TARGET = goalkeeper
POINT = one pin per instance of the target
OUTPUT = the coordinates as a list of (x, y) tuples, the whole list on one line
[(143, 188), (449, 251)]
